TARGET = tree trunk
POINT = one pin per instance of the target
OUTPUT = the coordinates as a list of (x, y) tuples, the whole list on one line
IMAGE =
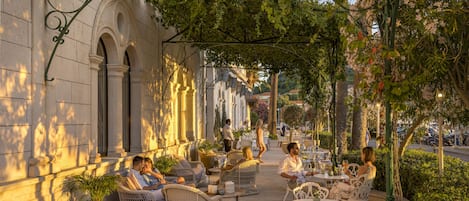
[(272, 121), (409, 134), (341, 117), (397, 181)]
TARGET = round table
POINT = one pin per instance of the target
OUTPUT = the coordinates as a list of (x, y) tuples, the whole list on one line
[(331, 178)]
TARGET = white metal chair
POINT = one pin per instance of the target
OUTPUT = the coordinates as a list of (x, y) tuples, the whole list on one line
[(361, 187), (310, 190), (178, 192), (289, 189), (353, 169)]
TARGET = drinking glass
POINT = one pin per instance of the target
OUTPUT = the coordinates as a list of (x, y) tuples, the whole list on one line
[(344, 163)]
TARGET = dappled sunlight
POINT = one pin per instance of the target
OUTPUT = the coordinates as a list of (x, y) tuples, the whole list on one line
[(150, 140), (39, 139), (26, 15), (14, 140)]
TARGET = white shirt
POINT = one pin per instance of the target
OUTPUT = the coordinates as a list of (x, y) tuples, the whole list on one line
[(227, 133), (140, 179), (291, 166)]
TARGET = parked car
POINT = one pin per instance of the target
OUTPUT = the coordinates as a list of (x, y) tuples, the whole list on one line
[(432, 140)]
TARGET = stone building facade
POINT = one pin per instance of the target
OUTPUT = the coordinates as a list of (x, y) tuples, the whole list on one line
[(117, 91)]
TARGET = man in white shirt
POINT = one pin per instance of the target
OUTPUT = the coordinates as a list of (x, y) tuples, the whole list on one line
[(292, 167), (228, 137)]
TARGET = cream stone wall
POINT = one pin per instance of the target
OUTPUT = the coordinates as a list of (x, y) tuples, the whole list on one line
[(225, 87), (49, 129)]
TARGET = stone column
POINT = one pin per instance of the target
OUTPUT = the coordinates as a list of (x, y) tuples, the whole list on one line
[(136, 140), (191, 114), (115, 77), (210, 118), (182, 114), (95, 61)]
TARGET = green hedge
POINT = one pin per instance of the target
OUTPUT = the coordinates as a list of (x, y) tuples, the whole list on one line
[(419, 176), (326, 140)]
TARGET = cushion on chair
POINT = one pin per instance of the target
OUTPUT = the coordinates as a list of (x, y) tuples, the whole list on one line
[(185, 164), (129, 183), (134, 181)]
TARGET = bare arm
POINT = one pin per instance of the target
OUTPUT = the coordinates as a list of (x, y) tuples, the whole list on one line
[(362, 170), (291, 177)]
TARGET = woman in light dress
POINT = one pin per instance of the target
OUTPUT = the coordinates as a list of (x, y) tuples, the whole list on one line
[(368, 157), (260, 139)]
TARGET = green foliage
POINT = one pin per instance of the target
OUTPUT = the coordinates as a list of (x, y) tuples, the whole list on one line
[(207, 146), (254, 118), (97, 187), (293, 115), (419, 175), (273, 137), (240, 132), (326, 140), (165, 163)]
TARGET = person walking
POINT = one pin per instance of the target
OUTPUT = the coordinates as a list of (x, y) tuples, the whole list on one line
[(228, 137), (260, 139)]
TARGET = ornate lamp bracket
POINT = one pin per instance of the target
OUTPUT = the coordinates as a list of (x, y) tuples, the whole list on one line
[(62, 23)]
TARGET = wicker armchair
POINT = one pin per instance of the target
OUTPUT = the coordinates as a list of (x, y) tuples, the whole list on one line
[(177, 192), (125, 194), (234, 156), (192, 171), (243, 175)]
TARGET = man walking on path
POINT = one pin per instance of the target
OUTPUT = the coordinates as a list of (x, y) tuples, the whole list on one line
[(227, 135)]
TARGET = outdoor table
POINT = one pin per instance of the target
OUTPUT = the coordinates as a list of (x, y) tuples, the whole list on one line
[(330, 179)]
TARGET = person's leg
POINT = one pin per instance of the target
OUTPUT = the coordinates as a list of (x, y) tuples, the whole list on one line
[(262, 149), (227, 145)]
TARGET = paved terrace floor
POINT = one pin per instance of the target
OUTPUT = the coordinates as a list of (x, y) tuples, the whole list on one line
[(271, 186)]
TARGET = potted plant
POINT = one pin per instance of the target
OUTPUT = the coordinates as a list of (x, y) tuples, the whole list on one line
[(207, 153), (165, 163), (91, 186)]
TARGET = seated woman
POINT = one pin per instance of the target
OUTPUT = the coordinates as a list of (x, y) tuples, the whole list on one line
[(247, 153), (368, 157), (153, 175)]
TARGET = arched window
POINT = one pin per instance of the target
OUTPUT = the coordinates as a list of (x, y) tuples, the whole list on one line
[(126, 105), (102, 101)]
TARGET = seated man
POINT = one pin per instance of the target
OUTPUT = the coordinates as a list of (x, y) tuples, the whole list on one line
[(292, 167), (139, 181), (154, 177)]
